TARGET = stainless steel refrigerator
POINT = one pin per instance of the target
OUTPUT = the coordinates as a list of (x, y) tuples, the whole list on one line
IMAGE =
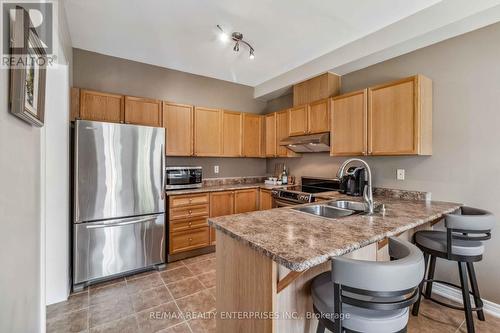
[(119, 200)]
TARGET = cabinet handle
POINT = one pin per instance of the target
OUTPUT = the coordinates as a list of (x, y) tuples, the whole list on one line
[(190, 239), (190, 211), (190, 223)]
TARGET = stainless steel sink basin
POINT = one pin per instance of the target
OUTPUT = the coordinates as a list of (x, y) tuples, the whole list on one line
[(351, 205), (326, 211)]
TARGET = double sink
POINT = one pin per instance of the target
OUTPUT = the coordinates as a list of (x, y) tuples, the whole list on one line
[(335, 209)]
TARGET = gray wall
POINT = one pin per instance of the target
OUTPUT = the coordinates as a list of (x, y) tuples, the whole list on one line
[(466, 113), (105, 73), (20, 235)]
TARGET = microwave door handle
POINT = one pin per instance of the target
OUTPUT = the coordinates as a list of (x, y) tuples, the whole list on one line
[(120, 223)]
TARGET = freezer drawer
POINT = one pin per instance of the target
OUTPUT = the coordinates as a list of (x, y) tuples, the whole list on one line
[(112, 247)]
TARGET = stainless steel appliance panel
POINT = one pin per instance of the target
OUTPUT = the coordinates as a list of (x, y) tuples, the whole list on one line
[(119, 170), (178, 177), (112, 247)]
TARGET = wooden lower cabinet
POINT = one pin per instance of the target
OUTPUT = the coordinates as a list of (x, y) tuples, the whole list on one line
[(189, 240), (245, 201), (265, 199), (221, 204), (188, 227)]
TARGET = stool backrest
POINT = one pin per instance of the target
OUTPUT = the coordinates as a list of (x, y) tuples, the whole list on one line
[(378, 285), (468, 224), (404, 273)]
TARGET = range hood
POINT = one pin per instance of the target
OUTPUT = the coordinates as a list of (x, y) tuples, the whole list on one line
[(313, 143)]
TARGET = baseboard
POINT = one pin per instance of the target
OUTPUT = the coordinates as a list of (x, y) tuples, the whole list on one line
[(455, 295)]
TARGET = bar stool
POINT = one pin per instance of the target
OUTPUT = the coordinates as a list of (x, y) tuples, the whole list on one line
[(369, 296), (461, 242)]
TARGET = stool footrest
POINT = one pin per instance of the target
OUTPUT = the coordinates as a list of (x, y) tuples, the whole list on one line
[(451, 306)]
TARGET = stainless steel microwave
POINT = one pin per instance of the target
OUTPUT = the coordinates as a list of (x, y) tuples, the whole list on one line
[(178, 177)]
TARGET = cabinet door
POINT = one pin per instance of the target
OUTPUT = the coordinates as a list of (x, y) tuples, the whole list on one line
[(265, 200), (253, 135), (101, 106), (297, 120), (271, 138), (349, 132), (319, 117), (392, 118), (231, 133), (178, 123), (207, 132), (282, 132), (245, 201), (221, 204), (143, 111)]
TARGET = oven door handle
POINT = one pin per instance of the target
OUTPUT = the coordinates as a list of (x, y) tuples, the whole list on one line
[(283, 203)]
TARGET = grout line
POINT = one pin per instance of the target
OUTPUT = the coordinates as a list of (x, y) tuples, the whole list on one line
[(175, 302)]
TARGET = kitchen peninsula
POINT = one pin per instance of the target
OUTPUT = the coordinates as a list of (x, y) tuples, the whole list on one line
[(266, 259)]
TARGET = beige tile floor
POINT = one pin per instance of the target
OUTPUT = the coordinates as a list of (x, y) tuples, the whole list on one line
[(184, 288)]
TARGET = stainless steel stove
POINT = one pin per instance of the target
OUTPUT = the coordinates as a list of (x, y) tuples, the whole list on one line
[(300, 194)]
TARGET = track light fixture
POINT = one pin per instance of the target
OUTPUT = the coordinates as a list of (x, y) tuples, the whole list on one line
[(237, 37)]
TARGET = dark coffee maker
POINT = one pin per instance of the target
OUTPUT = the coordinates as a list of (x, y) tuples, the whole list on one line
[(353, 182)]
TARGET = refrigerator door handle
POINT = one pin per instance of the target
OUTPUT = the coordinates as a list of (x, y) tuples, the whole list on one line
[(163, 172), (120, 223)]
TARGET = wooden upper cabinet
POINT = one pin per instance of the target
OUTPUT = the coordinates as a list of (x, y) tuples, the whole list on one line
[(282, 132), (178, 123), (400, 117), (143, 111), (101, 106), (270, 128), (253, 135), (297, 120), (318, 120), (349, 132), (207, 132), (245, 201), (319, 87), (232, 128)]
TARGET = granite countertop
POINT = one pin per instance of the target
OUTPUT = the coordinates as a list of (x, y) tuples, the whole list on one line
[(300, 241), (219, 188)]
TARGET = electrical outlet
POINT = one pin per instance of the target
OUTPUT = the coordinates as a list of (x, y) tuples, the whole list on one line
[(401, 174), (216, 169)]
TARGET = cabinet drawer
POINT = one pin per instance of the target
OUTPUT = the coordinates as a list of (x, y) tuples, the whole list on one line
[(181, 225), (187, 200), (189, 240), (188, 212)]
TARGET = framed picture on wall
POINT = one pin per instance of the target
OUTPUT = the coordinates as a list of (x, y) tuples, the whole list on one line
[(27, 71)]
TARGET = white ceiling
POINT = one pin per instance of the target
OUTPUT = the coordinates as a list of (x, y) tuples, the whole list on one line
[(182, 34)]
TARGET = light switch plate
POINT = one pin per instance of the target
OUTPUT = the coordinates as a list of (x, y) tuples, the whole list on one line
[(401, 174), (216, 169)]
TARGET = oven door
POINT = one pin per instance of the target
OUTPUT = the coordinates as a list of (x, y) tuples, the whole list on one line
[(279, 203), (179, 178)]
